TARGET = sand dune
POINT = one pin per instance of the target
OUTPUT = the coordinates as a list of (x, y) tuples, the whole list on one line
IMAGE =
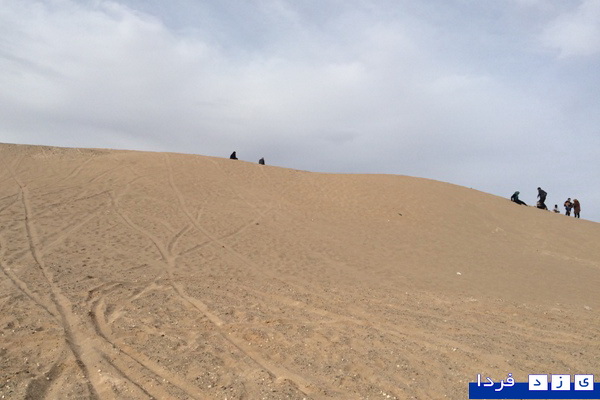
[(132, 275)]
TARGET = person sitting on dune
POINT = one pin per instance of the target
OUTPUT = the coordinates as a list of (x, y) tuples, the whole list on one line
[(233, 156), (515, 198)]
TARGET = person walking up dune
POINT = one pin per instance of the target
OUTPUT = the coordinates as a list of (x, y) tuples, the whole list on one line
[(542, 195)]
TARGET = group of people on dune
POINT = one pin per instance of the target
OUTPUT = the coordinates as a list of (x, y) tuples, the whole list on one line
[(569, 205), (233, 156)]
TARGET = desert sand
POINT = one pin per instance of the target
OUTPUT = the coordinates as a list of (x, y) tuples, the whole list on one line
[(136, 275)]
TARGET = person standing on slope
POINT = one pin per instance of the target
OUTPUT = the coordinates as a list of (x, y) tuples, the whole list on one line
[(542, 195), (568, 206), (576, 208), (515, 198)]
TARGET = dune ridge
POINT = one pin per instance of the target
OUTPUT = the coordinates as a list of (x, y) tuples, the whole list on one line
[(136, 275)]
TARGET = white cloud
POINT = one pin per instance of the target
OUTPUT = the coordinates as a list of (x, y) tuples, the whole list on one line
[(577, 32), (105, 66)]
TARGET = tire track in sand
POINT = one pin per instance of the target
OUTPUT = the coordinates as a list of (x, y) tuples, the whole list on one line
[(14, 201), (76, 171), (39, 387), (45, 386), (74, 337), (277, 373), (280, 373), (136, 362), (124, 358), (54, 239), (22, 286)]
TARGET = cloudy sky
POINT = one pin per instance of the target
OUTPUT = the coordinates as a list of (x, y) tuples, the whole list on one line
[(498, 95)]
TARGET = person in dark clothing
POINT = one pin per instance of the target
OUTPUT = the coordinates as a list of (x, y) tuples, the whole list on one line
[(261, 161), (515, 198), (568, 206), (542, 196), (233, 156), (576, 208)]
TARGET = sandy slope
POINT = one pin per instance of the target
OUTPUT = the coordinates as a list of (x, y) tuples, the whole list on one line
[(130, 275)]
